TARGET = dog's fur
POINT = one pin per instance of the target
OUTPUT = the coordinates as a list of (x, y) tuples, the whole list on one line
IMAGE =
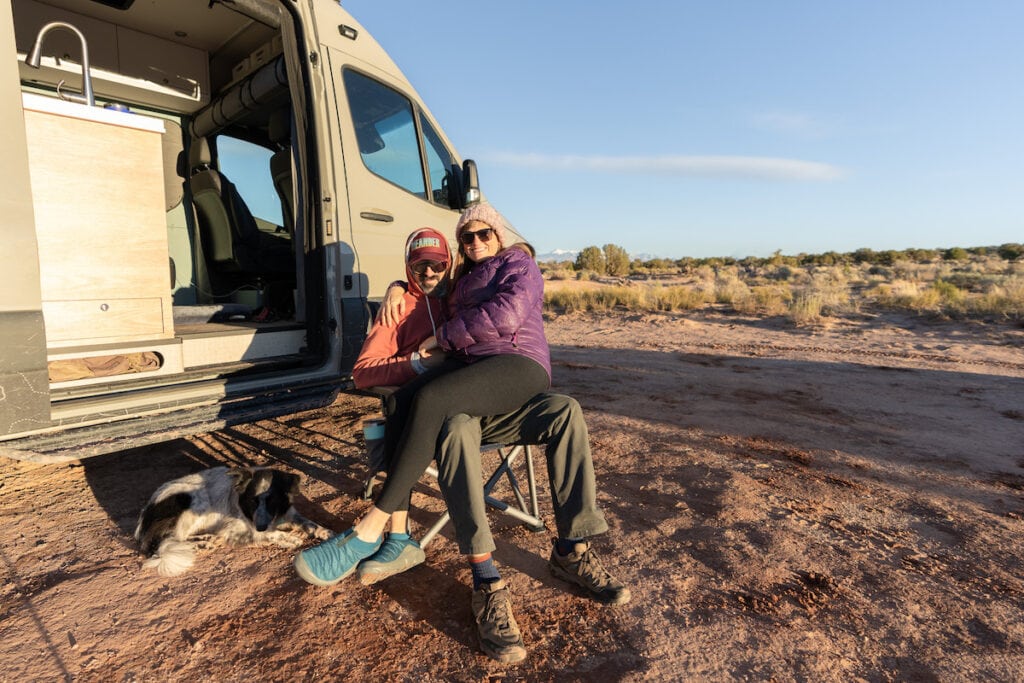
[(221, 506)]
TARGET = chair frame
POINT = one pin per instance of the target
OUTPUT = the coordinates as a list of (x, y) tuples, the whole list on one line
[(524, 508)]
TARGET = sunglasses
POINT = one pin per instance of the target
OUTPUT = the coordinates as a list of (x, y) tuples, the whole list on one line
[(485, 235), (420, 267)]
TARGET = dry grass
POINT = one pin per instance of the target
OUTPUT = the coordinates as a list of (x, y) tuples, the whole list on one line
[(982, 286)]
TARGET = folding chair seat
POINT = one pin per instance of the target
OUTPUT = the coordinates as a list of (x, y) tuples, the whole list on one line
[(522, 508)]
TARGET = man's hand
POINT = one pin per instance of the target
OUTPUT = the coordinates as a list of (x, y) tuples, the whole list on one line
[(433, 358), (393, 307)]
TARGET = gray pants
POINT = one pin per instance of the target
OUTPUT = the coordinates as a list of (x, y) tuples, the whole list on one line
[(553, 420)]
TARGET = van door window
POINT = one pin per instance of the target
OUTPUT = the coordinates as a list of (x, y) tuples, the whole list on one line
[(386, 132), (439, 163), (248, 167)]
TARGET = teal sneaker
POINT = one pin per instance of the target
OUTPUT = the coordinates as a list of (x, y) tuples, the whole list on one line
[(394, 557), (334, 559)]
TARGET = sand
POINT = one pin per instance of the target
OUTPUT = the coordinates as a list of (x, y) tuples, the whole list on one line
[(837, 503)]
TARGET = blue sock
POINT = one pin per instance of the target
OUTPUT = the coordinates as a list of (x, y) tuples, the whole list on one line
[(364, 548), (484, 571), (398, 537), (564, 546)]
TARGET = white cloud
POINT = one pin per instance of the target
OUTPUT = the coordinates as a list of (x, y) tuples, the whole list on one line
[(768, 168), (792, 123)]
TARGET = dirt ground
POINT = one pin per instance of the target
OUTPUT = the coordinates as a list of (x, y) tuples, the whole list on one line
[(839, 503)]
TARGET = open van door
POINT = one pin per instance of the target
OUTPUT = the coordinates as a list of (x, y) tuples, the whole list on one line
[(24, 385), (400, 170)]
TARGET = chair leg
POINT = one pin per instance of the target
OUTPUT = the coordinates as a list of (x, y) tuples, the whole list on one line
[(526, 509)]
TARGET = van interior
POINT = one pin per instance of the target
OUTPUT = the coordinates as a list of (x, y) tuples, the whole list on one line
[(172, 241)]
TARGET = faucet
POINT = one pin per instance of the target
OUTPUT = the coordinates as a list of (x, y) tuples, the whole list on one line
[(35, 55)]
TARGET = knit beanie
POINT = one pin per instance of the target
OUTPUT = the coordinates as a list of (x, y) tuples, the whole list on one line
[(485, 213), (427, 244)]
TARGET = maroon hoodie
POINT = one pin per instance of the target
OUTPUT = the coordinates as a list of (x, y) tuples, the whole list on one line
[(385, 357)]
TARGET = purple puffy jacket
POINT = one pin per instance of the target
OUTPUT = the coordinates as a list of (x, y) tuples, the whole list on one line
[(496, 308)]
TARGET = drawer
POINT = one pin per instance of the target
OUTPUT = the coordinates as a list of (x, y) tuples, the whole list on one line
[(106, 319)]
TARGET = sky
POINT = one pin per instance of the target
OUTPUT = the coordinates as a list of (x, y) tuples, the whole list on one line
[(732, 128)]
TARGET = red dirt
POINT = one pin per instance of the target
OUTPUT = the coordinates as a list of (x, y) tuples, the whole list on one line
[(839, 503)]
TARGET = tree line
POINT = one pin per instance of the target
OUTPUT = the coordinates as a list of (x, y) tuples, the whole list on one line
[(613, 260)]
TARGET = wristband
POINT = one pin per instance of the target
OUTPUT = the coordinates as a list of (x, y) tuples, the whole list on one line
[(417, 365)]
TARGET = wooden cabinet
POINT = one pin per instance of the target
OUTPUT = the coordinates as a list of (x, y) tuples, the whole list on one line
[(98, 197)]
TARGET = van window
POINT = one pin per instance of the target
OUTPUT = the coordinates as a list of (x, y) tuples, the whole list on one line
[(248, 166), (386, 132), (439, 163)]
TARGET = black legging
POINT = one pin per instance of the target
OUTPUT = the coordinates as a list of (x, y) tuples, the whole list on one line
[(491, 386)]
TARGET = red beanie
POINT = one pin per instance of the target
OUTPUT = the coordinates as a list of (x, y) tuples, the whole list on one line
[(427, 244)]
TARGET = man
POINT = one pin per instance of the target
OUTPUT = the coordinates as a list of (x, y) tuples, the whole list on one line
[(392, 355)]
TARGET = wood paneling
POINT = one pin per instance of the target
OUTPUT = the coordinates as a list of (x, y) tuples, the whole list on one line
[(97, 191)]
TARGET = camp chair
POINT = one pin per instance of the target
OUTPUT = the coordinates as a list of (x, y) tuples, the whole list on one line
[(523, 508)]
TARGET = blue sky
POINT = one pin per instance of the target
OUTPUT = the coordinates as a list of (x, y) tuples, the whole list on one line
[(728, 128)]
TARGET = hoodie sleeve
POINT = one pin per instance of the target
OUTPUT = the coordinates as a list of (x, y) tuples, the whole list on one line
[(381, 361), (519, 287)]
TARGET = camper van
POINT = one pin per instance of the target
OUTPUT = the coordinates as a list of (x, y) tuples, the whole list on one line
[(202, 200)]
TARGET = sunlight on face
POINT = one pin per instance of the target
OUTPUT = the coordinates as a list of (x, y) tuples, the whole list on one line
[(478, 250)]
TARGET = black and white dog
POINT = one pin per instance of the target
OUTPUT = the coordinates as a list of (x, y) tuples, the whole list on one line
[(221, 506)]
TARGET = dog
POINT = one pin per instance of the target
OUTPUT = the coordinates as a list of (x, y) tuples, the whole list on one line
[(221, 506)]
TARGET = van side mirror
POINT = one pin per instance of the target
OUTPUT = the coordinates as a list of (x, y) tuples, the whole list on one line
[(470, 183)]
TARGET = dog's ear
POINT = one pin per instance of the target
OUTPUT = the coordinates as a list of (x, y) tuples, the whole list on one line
[(292, 481), (240, 476)]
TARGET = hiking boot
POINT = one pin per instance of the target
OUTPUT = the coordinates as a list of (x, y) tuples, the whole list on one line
[(331, 561), (499, 635), (583, 568), (394, 557)]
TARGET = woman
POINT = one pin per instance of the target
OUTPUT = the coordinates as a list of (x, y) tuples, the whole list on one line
[(495, 329)]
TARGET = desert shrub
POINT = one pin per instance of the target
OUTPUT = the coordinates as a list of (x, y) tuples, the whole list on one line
[(827, 294), (940, 297), (955, 254), (806, 308), (783, 272), (950, 297), (616, 260), (921, 255), (560, 274), (706, 273), (1005, 299), (675, 298), (772, 299), (603, 299), (729, 289), (912, 270), (635, 298), (592, 259), (1010, 252)]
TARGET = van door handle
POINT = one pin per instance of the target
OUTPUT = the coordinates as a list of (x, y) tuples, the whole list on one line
[(377, 216)]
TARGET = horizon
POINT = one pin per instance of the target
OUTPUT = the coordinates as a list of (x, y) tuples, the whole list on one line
[(643, 256), (725, 130)]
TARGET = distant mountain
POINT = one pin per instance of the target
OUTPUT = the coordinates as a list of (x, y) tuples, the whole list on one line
[(558, 255), (570, 255)]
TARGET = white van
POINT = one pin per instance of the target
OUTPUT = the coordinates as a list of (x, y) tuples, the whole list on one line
[(201, 201)]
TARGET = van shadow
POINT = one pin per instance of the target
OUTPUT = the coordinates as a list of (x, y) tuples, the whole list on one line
[(323, 449)]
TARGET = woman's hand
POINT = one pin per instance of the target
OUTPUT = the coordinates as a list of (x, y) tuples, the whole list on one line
[(431, 355), (393, 307)]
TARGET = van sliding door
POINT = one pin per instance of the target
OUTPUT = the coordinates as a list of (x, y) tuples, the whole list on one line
[(24, 385)]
